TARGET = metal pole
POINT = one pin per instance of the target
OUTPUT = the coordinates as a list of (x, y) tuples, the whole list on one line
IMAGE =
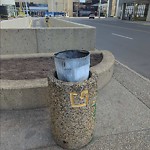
[(26, 7), (99, 7), (68, 8), (78, 7), (117, 9), (108, 3)]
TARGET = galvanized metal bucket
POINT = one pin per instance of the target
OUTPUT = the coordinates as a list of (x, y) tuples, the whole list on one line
[(72, 65)]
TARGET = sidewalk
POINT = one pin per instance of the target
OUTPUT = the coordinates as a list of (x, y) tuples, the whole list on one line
[(122, 121), (137, 22), (147, 23)]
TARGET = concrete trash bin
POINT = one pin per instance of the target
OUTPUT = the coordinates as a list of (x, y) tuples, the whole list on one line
[(72, 107), (72, 65)]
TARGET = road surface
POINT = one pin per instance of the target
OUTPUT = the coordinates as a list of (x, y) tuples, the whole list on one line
[(128, 41)]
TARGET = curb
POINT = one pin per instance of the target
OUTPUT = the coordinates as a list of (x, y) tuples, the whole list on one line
[(28, 94)]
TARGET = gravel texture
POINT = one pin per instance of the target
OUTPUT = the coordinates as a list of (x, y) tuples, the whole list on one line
[(72, 127)]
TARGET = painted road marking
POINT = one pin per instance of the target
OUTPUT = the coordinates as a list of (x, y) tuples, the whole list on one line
[(122, 36)]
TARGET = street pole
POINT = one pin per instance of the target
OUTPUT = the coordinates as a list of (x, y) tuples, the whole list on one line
[(63, 6), (26, 7), (68, 8), (108, 3), (99, 9), (117, 9), (78, 7)]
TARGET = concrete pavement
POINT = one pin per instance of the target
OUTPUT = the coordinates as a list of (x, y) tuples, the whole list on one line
[(122, 119), (39, 22)]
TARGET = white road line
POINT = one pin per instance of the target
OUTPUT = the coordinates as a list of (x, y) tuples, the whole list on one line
[(122, 36)]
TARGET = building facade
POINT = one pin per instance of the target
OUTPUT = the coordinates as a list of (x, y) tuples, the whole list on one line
[(127, 9), (133, 9), (7, 6), (41, 6), (61, 6)]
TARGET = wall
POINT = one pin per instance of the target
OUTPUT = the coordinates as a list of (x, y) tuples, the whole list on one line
[(118, 12), (16, 23), (61, 6), (44, 40), (113, 9), (25, 41), (56, 5), (70, 8), (23, 94)]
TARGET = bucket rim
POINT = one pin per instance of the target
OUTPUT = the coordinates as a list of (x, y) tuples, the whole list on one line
[(54, 78), (83, 51)]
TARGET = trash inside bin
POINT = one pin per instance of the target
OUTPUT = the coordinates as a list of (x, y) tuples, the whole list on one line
[(72, 65)]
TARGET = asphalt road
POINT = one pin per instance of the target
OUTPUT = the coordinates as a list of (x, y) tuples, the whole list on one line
[(128, 41)]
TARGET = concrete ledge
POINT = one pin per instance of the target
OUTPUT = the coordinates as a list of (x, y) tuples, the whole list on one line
[(55, 22), (105, 68), (27, 94), (23, 94), (16, 23), (44, 40)]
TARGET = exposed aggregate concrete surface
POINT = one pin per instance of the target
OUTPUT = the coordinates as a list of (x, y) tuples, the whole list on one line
[(72, 122)]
